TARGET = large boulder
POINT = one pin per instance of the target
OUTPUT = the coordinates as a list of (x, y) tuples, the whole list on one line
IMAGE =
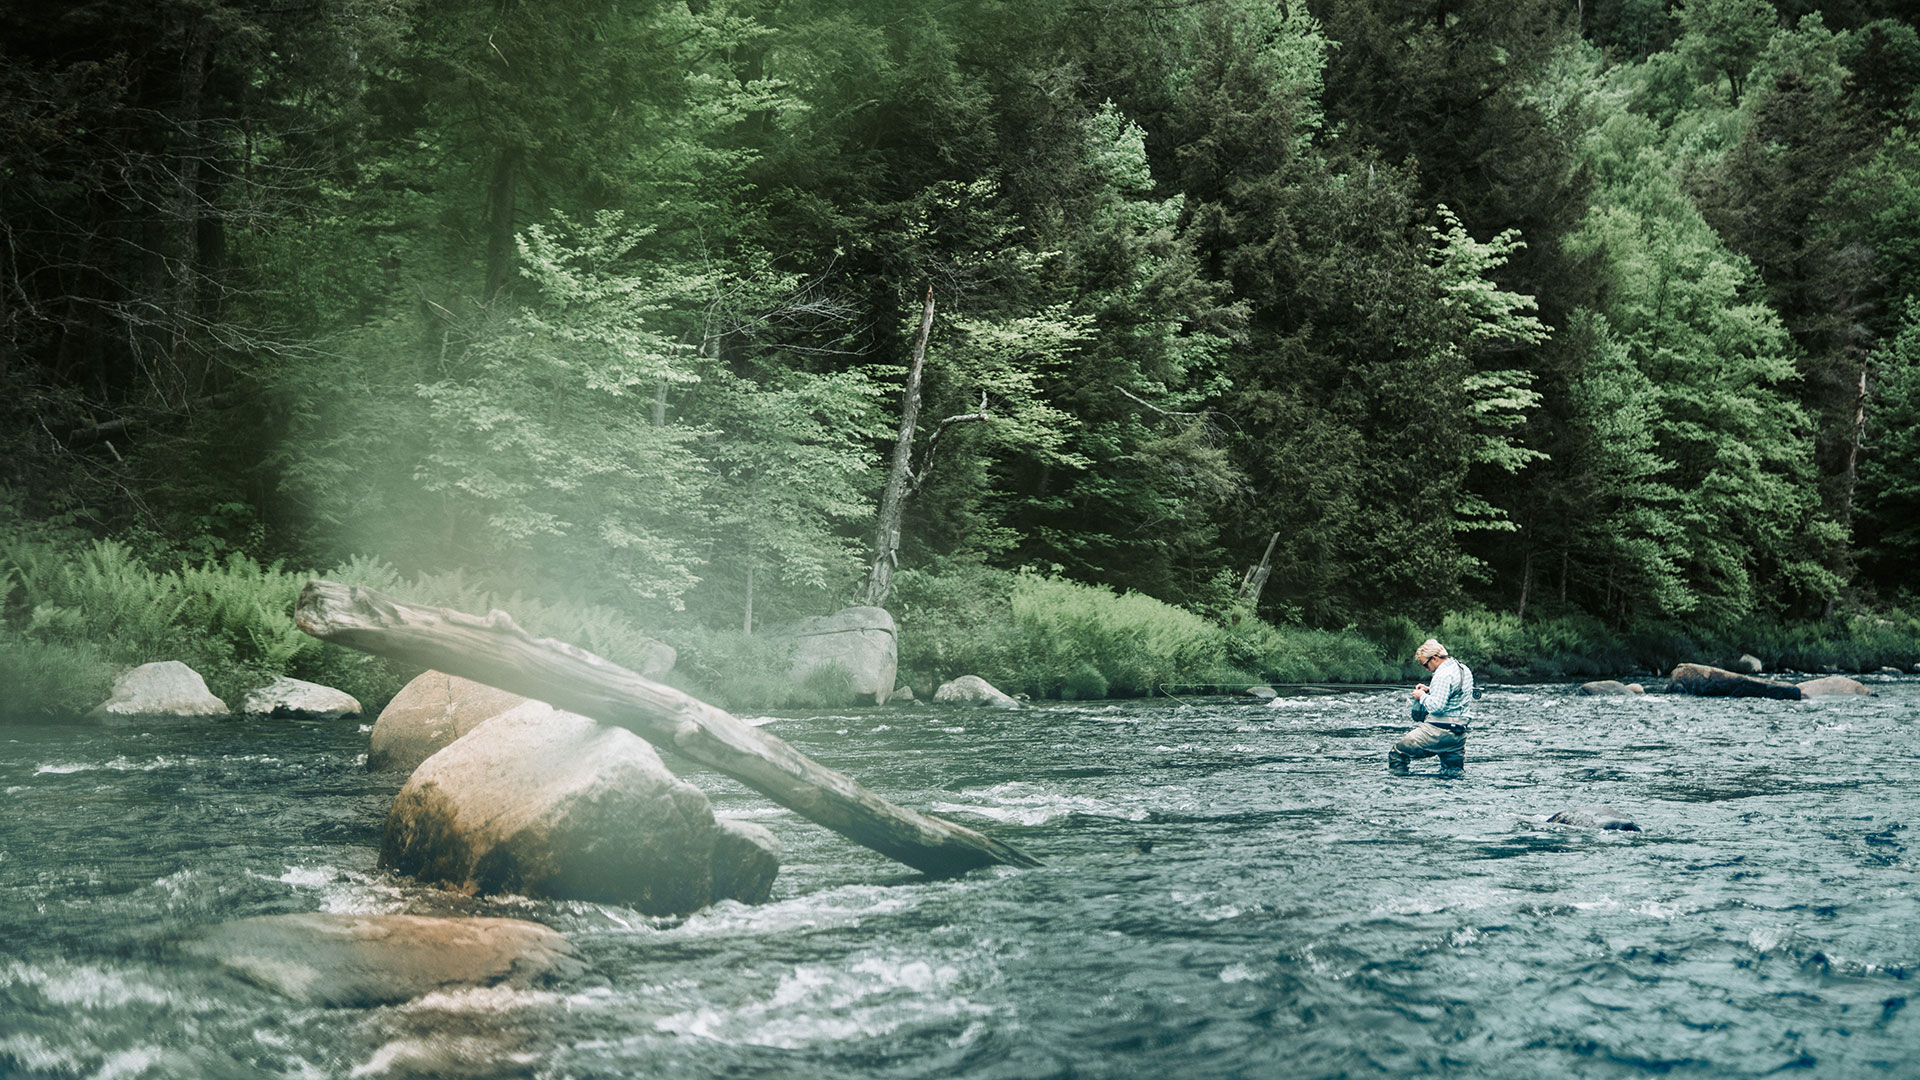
[(350, 961), (972, 690), (862, 640), (167, 688), (545, 803), (1611, 688), (427, 714), (1704, 681), (1750, 664), (746, 859), (292, 697), (1833, 684)]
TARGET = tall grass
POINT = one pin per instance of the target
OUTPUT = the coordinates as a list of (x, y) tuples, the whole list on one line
[(1048, 637), (101, 608)]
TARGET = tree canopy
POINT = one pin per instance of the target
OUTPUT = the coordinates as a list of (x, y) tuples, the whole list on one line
[(1606, 310)]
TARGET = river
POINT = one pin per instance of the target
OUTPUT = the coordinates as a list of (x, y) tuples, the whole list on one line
[(1230, 890)]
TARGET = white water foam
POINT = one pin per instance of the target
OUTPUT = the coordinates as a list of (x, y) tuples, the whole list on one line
[(823, 1003), (442, 1055), (832, 908), (1023, 803), (487, 1000), (118, 764), (85, 986), (343, 892)]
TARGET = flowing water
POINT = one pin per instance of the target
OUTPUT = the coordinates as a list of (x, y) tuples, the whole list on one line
[(1230, 890)]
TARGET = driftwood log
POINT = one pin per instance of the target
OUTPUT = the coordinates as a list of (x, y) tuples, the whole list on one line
[(495, 651)]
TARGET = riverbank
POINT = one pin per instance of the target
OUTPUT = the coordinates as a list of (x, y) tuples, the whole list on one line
[(75, 615)]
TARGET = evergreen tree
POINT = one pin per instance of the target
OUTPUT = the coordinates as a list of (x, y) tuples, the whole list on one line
[(1890, 469), (1769, 200), (1744, 534)]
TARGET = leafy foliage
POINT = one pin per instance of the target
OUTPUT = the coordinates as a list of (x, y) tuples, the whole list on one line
[(1596, 316)]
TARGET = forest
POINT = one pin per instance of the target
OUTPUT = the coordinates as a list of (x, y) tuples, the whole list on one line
[(1582, 328)]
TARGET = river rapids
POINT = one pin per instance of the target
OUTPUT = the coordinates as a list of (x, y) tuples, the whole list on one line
[(1229, 890)]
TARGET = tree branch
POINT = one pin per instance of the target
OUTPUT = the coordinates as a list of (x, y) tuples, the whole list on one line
[(918, 477)]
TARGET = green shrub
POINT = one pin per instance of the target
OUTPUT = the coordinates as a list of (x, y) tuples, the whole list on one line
[(50, 680), (829, 686), (1084, 683), (959, 622), (1295, 654), (731, 669), (1049, 637), (1136, 642)]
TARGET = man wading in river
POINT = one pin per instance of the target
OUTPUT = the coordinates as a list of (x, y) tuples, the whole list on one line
[(1444, 711)]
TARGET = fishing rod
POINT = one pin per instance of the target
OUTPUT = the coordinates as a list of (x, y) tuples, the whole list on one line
[(1244, 687)]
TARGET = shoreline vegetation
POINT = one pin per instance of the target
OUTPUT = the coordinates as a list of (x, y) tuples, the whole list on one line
[(75, 615)]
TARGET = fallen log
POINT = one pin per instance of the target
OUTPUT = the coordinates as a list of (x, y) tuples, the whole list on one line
[(495, 651)]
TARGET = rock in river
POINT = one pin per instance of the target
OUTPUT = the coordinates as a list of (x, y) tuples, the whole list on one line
[(746, 859), (549, 804), (1707, 681), (427, 714), (1595, 817), (1834, 684), (363, 960), (860, 640), (1611, 688), (972, 690), (292, 697), (167, 688)]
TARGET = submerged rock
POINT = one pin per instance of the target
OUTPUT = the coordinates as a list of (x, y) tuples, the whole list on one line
[(363, 960), (1611, 688), (292, 697), (972, 690), (1595, 817), (427, 714), (861, 640), (1705, 681), (166, 688), (549, 804), (1834, 684)]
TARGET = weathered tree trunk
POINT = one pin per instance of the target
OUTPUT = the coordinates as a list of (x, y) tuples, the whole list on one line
[(506, 165), (494, 651), (1256, 579), (1849, 481), (886, 534), (746, 621), (1526, 584)]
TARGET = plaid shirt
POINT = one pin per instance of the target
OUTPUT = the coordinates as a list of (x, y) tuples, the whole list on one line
[(1449, 697)]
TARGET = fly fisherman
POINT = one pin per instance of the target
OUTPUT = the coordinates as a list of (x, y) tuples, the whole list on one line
[(1443, 710)]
